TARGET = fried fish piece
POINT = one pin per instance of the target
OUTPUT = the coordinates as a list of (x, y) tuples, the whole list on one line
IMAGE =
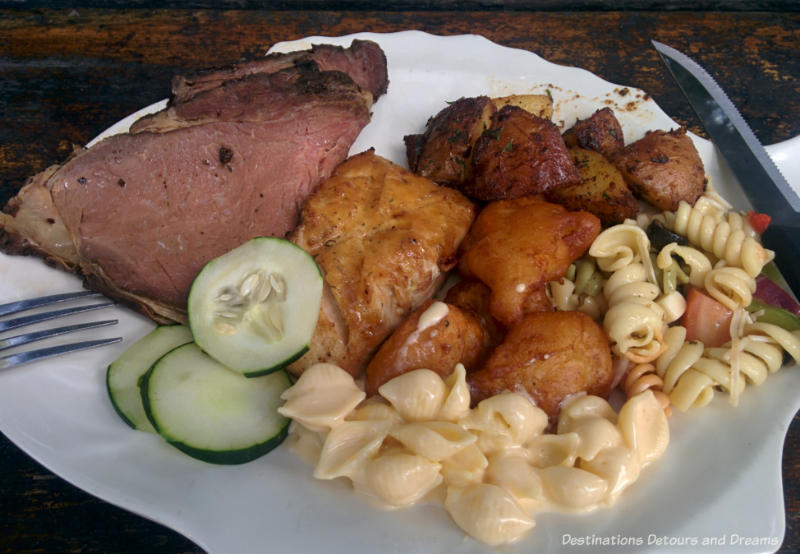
[(516, 246), (663, 168), (519, 154), (436, 336), (549, 356), (384, 239)]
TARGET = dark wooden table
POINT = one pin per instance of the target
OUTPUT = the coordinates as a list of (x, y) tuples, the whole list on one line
[(67, 75)]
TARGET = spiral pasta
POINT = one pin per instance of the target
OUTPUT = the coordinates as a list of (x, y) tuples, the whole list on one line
[(642, 377), (633, 322), (697, 262), (724, 234), (691, 372), (732, 287), (789, 341), (620, 246), (581, 289), (698, 265), (675, 364)]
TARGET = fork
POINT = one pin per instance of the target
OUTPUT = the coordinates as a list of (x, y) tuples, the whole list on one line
[(13, 308)]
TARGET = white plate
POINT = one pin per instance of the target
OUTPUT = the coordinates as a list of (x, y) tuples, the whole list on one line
[(719, 480)]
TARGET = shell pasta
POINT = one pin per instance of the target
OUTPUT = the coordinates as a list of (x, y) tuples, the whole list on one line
[(494, 465)]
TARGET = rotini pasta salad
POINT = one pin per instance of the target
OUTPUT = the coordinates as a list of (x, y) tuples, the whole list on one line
[(504, 326)]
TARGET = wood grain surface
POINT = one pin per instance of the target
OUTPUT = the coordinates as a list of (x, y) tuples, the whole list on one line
[(67, 75)]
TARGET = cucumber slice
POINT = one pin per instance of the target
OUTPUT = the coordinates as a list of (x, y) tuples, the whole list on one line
[(124, 374), (210, 412), (254, 309)]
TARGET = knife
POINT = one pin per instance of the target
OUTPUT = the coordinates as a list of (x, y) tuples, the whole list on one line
[(759, 177)]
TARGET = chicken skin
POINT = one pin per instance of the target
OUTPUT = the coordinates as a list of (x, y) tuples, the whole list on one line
[(516, 246), (384, 239), (548, 356)]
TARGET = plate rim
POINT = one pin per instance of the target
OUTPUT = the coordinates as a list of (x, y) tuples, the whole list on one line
[(131, 507)]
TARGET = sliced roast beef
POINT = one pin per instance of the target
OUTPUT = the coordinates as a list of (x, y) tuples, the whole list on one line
[(138, 214), (363, 61)]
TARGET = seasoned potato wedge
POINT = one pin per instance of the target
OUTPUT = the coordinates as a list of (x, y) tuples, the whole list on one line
[(436, 336), (442, 152), (520, 154), (539, 105), (663, 167), (603, 191), (549, 355), (600, 132)]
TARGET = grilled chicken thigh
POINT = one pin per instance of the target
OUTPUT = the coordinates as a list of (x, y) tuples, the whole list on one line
[(384, 239)]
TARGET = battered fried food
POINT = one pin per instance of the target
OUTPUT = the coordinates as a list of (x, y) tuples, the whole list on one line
[(663, 167), (437, 336), (549, 356), (516, 246), (384, 239), (473, 297)]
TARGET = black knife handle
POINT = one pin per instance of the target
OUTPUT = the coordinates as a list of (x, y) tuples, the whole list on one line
[(785, 242)]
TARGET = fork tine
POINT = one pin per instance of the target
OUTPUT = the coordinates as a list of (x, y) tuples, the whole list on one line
[(28, 338), (37, 318), (30, 303), (34, 355)]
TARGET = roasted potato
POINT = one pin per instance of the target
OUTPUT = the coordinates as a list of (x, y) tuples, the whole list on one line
[(443, 151), (603, 191), (539, 105), (663, 168), (600, 132), (549, 356), (520, 154), (516, 246), (436, 336)]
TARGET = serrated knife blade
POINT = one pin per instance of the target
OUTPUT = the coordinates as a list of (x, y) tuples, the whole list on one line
[(759, 177)]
